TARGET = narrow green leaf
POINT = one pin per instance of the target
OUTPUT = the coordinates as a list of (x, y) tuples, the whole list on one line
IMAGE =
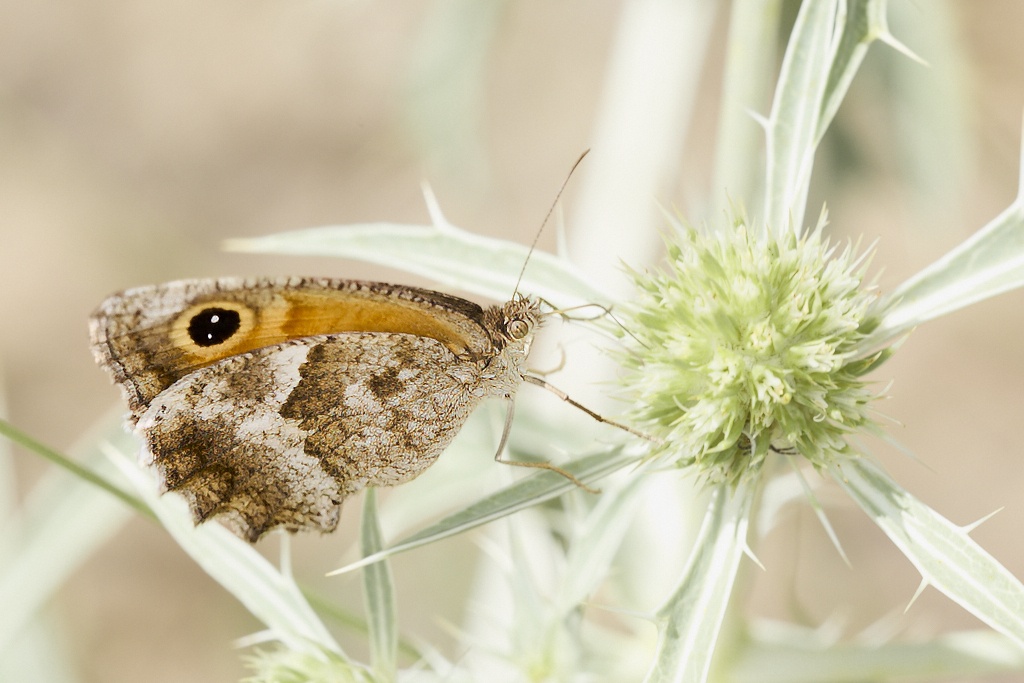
[(690, 621), (532, 490), (749, 70), (446, 254), (863, 23), (792, 129), (62, 522), (826, 48), (988, 263), (25, 441), (781, 653), (946, 556), (379, 594), (594, 547)]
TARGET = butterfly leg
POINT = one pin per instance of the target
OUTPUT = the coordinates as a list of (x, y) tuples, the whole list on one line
[(536, 465), (559, 366), (537, 381)]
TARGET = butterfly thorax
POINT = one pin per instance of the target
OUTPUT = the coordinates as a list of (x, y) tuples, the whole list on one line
[(511, 327)]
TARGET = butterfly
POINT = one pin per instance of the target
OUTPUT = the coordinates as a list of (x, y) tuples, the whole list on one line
[(266, 402)]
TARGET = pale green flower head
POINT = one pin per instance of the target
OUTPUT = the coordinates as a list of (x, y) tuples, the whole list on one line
[(746, 344), (285, 665)]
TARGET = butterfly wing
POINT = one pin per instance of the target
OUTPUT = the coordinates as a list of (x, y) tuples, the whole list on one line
[(150, 337), (278, 437)]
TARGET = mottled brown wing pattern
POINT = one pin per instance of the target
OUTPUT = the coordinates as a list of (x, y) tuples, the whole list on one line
[(280, 436)]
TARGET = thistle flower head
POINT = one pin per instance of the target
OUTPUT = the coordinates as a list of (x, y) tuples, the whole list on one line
[(284, 665), (745, 344)]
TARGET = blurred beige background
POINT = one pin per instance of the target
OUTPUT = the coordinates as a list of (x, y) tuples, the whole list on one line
[(135, 135)]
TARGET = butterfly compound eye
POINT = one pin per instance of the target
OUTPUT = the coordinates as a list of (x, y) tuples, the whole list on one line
[(517, 328), (212, 326)]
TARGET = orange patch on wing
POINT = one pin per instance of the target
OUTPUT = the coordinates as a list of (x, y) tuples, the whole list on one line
[(300, 314)]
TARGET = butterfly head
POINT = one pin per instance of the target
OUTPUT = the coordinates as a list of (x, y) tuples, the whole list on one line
[(513, 323)]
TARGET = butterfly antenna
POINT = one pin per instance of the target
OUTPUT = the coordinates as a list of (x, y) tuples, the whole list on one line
[(536, 238)]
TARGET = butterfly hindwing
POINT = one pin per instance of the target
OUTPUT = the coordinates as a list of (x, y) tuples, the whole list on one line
[(281, 435)]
